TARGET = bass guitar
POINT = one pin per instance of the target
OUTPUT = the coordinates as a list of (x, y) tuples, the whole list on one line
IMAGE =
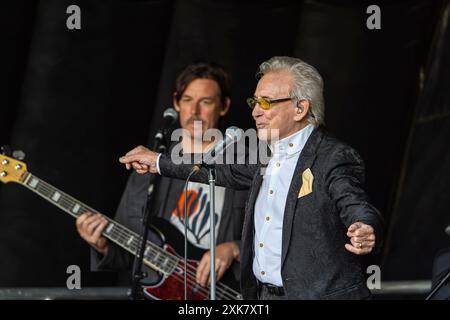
[(163, 259)]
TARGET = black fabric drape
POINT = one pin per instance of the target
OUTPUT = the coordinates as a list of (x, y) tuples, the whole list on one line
[(422, 207), (87, 97)]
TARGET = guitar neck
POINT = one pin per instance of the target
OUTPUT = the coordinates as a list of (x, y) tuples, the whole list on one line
[(154, 256)]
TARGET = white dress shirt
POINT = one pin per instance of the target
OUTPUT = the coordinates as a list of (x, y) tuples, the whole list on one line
[(270, 205)]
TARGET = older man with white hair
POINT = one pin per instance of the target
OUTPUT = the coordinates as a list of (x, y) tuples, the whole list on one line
[(308, 219)]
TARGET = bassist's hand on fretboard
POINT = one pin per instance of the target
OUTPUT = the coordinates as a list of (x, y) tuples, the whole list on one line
[(90, 227)]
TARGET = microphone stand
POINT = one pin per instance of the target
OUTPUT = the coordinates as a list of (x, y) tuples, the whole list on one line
[(443, 281), (138, 274), (212, 228), (212, 209), (212, 224)]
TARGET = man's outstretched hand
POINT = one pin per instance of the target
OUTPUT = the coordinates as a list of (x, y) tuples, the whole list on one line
[(140, 159), (362, 238)]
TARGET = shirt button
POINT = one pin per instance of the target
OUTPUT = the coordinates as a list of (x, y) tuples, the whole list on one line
[(263, 273), (271, 191), (261, 245), (291, 144), (278, 164), (267, 218)]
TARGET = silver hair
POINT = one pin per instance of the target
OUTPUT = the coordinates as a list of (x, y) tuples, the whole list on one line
[(307, 84)]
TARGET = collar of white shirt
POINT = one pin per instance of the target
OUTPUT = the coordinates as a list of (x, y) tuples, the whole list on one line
[(292, 144)]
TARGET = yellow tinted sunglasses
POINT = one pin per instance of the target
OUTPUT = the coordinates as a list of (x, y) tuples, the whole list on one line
[(264, 103)]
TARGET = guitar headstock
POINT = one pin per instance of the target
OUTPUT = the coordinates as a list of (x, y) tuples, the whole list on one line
[(11, 170)]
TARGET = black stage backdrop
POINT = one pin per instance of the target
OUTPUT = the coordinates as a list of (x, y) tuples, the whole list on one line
[(75, 100), (421, 208)]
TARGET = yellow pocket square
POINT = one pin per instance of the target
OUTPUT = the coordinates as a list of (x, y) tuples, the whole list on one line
[(307, 183)]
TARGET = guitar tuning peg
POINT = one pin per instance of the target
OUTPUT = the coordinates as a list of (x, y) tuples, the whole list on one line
[(18, 154), (6, 150)]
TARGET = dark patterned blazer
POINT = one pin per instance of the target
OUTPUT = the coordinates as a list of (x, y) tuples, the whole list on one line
[(314, 261)]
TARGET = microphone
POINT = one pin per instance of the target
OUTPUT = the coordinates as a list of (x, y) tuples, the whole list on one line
[(232, 134), (447, 230), (170, 116)]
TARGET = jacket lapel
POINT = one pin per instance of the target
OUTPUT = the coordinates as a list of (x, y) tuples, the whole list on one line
[(248, 231), (305, 160), (254, 190)]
